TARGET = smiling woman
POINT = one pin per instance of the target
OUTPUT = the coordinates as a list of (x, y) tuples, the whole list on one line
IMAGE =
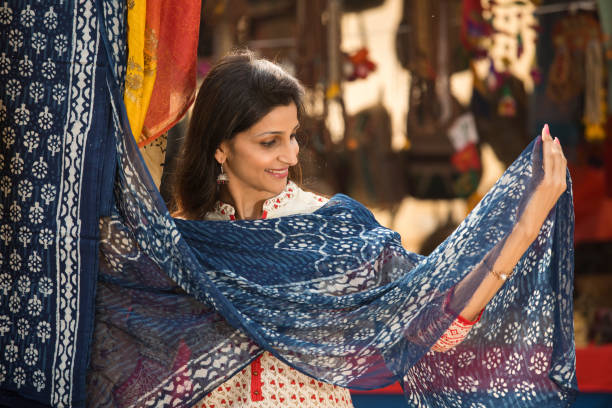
[(243, 125), (257, 161)]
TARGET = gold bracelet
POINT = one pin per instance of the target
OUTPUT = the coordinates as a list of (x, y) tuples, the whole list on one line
[(500, 275)]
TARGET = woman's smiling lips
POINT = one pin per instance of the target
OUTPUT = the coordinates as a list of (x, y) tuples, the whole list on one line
[(280, 173)]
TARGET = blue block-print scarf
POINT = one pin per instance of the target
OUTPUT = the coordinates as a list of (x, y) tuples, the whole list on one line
[(180, 306), (54, 143)]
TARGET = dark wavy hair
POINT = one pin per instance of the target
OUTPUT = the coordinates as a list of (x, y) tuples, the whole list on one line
[(237, 92)]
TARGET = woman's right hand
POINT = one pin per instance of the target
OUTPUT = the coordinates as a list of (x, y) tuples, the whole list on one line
[(551, 187)]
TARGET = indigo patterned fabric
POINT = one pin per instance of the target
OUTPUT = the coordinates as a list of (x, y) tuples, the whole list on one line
[(181, 305), (54, 139)]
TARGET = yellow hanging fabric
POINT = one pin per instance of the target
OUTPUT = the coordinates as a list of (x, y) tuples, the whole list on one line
[(142, 39)]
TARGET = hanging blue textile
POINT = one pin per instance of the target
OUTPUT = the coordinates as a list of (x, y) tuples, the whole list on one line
[(55, 144)]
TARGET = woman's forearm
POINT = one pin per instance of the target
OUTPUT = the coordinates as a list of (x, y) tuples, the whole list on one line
[(516, 244), (527, 228)]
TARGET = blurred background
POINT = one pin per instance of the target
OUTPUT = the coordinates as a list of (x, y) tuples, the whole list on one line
[(416, 107)]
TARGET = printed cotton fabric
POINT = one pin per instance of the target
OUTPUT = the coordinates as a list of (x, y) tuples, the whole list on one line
[(161, 68), (54, 184), (334, 295), (180, 306)]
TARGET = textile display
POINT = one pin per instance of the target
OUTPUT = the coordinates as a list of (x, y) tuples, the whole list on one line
[(142, 38), (54, 183), (180, 306), (161, 77)]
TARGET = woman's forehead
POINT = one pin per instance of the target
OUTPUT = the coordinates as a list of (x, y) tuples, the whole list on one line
[(279, 119)]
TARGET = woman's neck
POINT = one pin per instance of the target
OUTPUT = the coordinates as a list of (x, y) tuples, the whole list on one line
[(246, 207)]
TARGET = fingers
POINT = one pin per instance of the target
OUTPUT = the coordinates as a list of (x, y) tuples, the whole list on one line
[(559, 166), (554, 162), (547, 149)]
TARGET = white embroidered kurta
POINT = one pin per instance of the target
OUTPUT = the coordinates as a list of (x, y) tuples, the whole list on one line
[(268, 382)]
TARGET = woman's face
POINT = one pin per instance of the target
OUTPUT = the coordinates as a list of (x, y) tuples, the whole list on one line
[(257, 160)]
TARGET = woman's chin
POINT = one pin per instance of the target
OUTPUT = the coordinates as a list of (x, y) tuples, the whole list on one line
[(277, 187)]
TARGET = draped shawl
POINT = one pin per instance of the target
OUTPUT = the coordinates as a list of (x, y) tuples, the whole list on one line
[(334, 295), (180, 306)]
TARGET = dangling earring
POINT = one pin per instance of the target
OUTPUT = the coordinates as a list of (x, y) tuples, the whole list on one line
[(222, 177)]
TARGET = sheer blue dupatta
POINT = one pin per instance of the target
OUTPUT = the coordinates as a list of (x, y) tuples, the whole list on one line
[(183, 305)]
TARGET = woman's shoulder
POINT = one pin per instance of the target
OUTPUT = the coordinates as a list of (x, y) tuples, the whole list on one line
[(294, 200)]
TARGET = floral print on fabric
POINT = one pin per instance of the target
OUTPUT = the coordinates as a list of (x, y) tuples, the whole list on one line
[(51, 144), (367, 315), (283, 385), (270, 383)]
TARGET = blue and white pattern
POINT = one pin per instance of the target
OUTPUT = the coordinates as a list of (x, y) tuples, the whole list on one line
[(183, 305), (51, 132)]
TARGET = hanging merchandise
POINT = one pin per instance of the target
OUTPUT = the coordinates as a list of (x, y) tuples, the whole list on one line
[(443, 160), (507, 103), (358, 65), (474, 28), (373, 166), (570, 36), (578, 70), (495, 36), (567, 108), (157, 94), (466, 159), (594, 92), (506, 134), (604, 8)]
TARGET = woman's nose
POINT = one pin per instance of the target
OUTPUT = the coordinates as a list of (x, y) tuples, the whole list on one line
[(289, 155)]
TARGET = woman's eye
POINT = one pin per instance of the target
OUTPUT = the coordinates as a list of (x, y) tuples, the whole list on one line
[(268, 144)]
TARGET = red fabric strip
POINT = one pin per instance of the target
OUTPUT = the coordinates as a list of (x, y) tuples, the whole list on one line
[(256, 380)]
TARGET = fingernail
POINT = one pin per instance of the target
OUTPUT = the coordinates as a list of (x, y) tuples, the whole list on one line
[(557, 140), (546, 129)]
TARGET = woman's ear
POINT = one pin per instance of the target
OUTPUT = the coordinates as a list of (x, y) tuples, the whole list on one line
[(221, 153)]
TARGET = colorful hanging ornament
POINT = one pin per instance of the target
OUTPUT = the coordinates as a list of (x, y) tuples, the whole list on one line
[(474, 28), (467, 158), (507, 104), (594, 92), (535, 72), (494, 78), (358, 65)]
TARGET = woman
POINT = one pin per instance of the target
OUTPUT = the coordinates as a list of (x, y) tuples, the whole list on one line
[(239, 161)]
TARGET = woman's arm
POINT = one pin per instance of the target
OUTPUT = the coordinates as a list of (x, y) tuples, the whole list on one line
[(527, 228)]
